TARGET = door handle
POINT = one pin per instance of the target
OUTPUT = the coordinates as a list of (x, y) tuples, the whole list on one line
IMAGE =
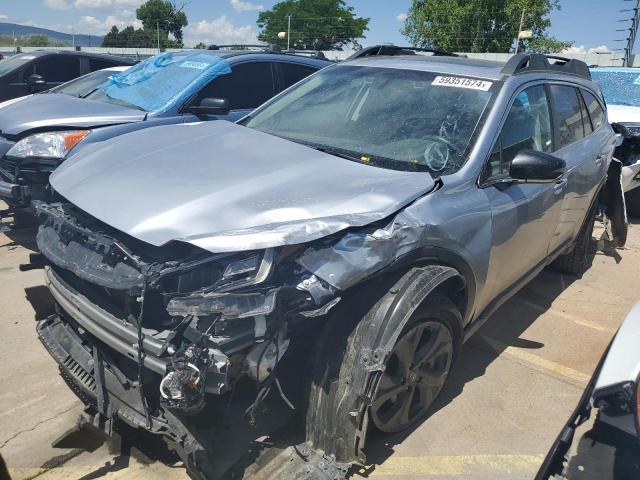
[(599, 160), (560, 184)]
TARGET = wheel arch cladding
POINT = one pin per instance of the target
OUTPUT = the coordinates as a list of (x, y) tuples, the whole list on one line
[(612, 199), (337, 416)]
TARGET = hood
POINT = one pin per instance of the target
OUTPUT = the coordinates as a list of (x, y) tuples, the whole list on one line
[(60, 110), (224, 187), (623, 113), (622, 364)]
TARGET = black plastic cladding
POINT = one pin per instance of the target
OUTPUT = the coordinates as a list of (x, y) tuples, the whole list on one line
[(537, 62)]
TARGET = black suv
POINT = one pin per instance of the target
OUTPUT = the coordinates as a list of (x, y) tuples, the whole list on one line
[(34, 72)]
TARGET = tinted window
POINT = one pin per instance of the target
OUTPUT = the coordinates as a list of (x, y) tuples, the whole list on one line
[(567, 115), (99, 64), (58, 68), (247, 86), (292, 73), (527, 127), (595, 109)]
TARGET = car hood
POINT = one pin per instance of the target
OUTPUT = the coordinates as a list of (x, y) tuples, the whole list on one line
[(224, 187), (60, 110), (623, 113), (622, 363)]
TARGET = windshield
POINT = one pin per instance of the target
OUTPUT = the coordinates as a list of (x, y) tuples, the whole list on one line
[(392, 118), (14, 62), (83, 85), (619, 87), (161, 82)]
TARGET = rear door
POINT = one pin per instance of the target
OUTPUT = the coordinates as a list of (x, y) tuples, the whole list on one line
[(291, 73), (583, 150), (248, 86), (523, 215)]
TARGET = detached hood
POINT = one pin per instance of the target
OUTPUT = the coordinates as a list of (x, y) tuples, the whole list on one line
[(224, 187), (623, 113), (60, 110)]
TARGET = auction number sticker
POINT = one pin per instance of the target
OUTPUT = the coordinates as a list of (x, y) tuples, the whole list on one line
[(196, 65), (460, 82)]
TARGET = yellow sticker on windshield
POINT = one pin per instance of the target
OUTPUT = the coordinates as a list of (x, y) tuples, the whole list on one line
[(461, 82)]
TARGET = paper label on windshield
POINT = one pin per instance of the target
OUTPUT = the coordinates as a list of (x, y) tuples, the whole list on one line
[(461, 82), (192, 64)]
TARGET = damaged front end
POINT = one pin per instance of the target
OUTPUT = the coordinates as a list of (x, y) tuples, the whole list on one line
[(154, 335)]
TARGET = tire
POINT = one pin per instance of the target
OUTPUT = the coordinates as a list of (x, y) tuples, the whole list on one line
[(576, 262), (342, 364), (633, 202)]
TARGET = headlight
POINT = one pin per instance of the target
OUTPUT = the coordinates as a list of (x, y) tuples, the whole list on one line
[(47, 145), (246, 271)]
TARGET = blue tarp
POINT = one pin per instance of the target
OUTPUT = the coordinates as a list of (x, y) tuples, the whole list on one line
[(161, 82)]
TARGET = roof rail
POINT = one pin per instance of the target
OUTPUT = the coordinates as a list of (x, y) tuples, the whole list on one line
[(392, 50), (537, 62)]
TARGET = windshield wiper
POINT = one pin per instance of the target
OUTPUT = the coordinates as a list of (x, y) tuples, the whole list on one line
[(330, 150)]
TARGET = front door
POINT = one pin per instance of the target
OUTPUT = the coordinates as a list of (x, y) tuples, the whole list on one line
[(523, 215)]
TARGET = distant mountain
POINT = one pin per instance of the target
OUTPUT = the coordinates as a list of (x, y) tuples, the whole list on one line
[(9, 29)]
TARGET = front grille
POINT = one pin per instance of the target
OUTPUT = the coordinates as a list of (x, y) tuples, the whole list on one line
[(79, 374)]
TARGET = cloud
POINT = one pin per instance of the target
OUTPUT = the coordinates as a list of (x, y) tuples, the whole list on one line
[(240, 6), (401, 17), (94, 4), (4, 17), (91, 25), (581, 50), (57, 4), (219, 31)]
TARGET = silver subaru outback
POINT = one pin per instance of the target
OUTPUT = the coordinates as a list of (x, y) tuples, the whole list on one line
[(335, 248)]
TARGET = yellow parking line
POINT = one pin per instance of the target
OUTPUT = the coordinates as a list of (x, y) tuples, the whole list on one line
[(556, 369), (460, 465), (568, 316)]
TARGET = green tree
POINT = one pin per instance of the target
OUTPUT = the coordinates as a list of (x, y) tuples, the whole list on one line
[(315, 24), (481, 25), (162, 14), (36, 41), (200, 46)]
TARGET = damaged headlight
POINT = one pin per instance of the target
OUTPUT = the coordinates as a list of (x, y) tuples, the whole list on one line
[(246, 271), (55, 145), (228, 305)]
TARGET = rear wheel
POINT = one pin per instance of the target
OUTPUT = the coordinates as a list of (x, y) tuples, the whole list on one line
[(576, 261)]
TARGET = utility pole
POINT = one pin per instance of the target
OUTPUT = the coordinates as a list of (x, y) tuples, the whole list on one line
[(520, 30), (289, 31), (73, 38), (158, 34), (631, 39)]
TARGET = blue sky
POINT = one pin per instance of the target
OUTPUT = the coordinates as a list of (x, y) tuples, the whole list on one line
[(590, 23)]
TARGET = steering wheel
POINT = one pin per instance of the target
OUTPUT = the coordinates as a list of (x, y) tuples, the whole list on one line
[(438, 152)]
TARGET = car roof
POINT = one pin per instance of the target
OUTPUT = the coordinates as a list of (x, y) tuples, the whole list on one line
[(115, 58), (259, 55), (431, 63)]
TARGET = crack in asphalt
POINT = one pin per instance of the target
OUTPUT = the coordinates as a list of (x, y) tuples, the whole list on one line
[(17, 434)]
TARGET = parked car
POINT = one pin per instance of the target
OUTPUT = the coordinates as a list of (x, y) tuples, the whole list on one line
[(611, 448), (38, 133), (357, 229), (621, 89), (41, 70)]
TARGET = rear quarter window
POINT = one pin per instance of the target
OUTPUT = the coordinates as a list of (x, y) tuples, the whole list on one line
[(292, 73), (596, 112)]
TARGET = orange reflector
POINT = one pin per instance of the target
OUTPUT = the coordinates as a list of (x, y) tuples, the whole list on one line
[(72, 139)]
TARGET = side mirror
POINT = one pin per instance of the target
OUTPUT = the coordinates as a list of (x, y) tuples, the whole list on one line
[(36, 83), (619, 139), (211, 106), (536, 167)]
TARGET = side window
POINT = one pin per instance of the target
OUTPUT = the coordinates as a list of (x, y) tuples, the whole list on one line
[(293, 73), (247, 86), (99, 64), (567, 115), (595, 109), (58, 68), (586, 122), (527, 127)]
